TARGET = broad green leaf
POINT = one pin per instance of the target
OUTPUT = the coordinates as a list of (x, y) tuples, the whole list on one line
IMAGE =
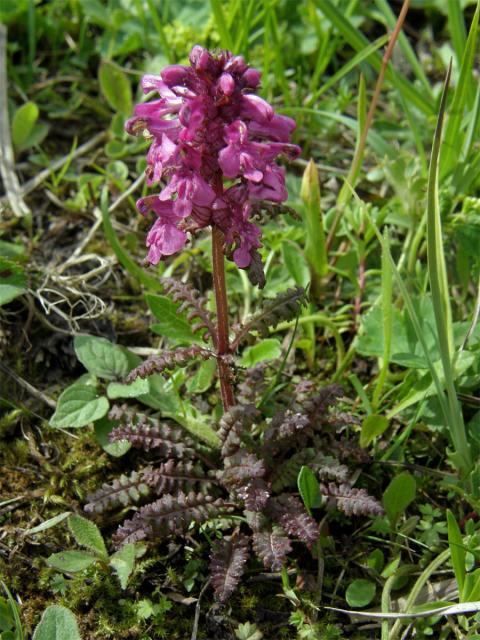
[(13, 282), (57, 623), (87, 534), (161, 395), (372, 426), (102, 428), (116, 88), (71, 561), (203, 378), (309, 489), (360, 593), (170, 323), (23, 123), (101, 357), (12, 251), (268, 349), (398, 495), (133, 390), (78, 406), (123, 562)]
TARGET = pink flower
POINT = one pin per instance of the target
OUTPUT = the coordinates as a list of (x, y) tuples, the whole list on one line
[(208, 126)]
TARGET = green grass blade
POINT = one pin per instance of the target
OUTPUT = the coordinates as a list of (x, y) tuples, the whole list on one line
[(457, 549), (351, 64), (157, 23), (13, 607), (358, 41), (456, 25), (345, 191), (383, 148), (221, 23), (387, 323), (452, 140), (405, 45), (437, 273), (125, 260)]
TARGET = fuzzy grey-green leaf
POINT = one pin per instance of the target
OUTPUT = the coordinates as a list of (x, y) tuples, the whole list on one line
[(57, 623), (87, 534), (71, 561)]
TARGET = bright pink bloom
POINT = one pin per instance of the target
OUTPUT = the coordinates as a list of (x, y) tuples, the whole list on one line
[(207, 127)]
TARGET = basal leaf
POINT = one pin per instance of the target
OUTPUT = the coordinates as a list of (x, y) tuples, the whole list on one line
[(101, 357), (71, 561), (87, 534)]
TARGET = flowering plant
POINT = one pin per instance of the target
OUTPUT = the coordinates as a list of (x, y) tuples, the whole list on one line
[(215, 144)]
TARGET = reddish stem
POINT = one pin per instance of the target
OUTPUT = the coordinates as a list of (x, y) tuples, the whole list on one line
[(223, 347)]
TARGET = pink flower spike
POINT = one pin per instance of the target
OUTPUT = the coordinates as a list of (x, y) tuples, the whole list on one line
[(215, 144)]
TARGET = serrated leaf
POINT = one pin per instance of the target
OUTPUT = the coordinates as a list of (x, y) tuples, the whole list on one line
[(71, 561), (171, 324), (268, 349), (372, 426), (123, 563), (101, 357), (57, 623), (23, 123), (87, 534), (78, 406), (309, 488), (398, 495), (116, 88)]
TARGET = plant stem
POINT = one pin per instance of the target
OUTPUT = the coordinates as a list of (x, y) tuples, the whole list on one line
[(223, 346)]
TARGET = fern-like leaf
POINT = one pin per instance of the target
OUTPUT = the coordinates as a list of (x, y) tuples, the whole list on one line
[(287, 424), (285, 306), (272, 548), (227, 563), (168, 360), (172, 475), (233, 424), (166, 516), (123, 491), (240, 467), (255, 494), (290, 513), (192, 300), (147, 433), (352, 501)]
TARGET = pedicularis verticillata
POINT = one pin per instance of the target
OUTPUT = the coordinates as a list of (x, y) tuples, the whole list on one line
[(214, 142)]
